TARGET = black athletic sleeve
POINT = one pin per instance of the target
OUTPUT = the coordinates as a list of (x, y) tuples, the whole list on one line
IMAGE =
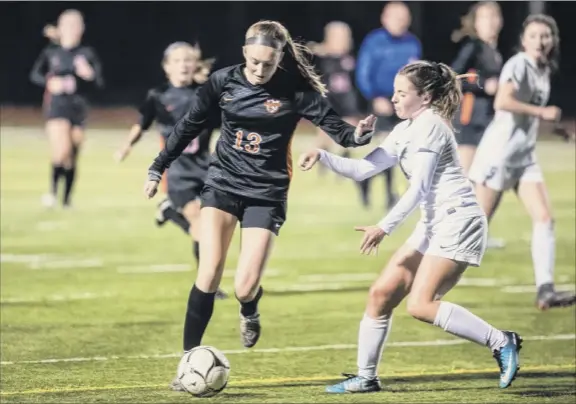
[(463, 63), (315, 108), (94, 61), (147, 110), (39, 70), (190, 126)]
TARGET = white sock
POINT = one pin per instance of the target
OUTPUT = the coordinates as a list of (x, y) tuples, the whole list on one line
[(543, 252), (460, 322), (371, 338)]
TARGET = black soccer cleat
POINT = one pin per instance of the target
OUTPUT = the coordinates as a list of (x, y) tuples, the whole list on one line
[(548, 298), (161, 219), (250, 329)]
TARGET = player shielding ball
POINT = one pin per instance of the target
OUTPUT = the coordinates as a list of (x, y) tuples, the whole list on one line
[(506, 156), (65, 68), (450, 236), (251, 169)]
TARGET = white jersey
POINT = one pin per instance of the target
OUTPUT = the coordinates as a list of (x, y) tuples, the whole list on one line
[(510, 139)]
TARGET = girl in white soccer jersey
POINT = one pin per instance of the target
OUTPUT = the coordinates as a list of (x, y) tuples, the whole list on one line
[(506, 156), (450, 236)]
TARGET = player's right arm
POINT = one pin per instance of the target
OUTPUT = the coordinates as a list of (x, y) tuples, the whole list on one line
[(190, 126), (39, 70), (147, 112)]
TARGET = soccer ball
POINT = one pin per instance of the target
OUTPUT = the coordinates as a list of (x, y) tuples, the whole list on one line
[(204, 371)]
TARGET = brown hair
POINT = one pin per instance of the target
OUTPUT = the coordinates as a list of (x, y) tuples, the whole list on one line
[(438, 80), (554, 55), (299, 52), (203, 67), (467, 22)]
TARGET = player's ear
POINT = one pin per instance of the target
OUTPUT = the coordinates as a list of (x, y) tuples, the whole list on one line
[(426, 98), (244, 52)]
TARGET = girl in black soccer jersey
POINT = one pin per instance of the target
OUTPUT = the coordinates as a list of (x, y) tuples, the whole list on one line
[(251, 168), (336, 63), (65, 68), (166, 104)]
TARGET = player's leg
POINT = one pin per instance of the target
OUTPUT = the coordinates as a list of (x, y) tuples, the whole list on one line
[(58, 131), (260, 225), (70, 166), (532, 192)]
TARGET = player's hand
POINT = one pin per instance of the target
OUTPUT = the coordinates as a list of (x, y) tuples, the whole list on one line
[(491, 86), (55, 85), (551, 113), (382, 106), (309, 159), (121, 154), (83, 68), (373, 236), (150, 188), (364, 127)]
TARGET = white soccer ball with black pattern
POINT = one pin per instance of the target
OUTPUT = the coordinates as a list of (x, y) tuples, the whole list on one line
[(204, 371)]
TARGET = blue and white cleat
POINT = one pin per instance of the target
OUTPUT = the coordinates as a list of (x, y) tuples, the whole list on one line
[(355, 384), (508, 359)]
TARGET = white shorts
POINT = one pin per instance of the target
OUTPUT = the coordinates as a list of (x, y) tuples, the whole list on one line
[(456, 237), (501, 177)]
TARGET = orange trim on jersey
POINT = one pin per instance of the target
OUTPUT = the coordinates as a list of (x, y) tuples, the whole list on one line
[(468, 102), (164, 181), (289, 158)]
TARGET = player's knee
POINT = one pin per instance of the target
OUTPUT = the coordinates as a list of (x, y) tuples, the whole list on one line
[(380, 296), (418, 308), (246, 292)]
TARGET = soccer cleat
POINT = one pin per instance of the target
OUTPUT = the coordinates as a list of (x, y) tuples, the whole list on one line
[(221, 295), (508, 359), (49, 200), (249, 329), (175, 385), (548, 298), (355, 384), (162, 206)]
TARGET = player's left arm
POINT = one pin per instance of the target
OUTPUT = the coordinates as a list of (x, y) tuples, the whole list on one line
[(88, 67), (425, 162), (314, 107)]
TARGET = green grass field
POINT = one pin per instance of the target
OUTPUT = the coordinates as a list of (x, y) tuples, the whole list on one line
[(92, 300)]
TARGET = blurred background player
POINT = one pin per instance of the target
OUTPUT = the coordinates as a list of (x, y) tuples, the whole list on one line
[(166, 105), (336, 65), (251, 168), (383, 53), (506, 156), (63, 69), (478, 54)]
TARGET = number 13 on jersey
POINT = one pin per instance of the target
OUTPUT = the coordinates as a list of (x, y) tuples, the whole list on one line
[(251, 144)]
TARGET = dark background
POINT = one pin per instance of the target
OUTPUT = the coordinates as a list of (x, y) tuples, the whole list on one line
[(131, 36)]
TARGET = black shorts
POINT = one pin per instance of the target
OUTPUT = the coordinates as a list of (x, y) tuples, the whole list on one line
[(469, 135), (250, 212), (182, 197), (70, 107)]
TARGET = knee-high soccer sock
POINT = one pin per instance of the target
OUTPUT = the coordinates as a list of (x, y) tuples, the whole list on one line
[(198, 315), (196, 249), (458, 321), (543, 252), (57, 172), (365, 191), (69, 176), (371, 339), (177, 218), (251, 308)]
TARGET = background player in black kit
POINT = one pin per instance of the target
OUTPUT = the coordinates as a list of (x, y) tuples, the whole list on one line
[(64, 68), (479, 54), (167, 104), (336, 64), (251, 168)]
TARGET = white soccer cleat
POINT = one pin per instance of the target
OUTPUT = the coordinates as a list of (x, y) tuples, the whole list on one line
[(48, 200)]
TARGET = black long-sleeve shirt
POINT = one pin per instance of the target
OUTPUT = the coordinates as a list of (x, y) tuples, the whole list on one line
[(253, 154), (478, 57)]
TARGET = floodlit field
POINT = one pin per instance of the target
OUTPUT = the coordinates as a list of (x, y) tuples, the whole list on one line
[(92, 300)]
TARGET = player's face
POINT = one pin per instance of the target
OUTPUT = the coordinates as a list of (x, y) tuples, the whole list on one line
[(537, 40), (406, 99), (488, 23), (70, 28), (181, 65), (396, 19), (261, 63)]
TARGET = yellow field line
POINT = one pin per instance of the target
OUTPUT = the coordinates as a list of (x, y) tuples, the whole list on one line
[(281, 380)]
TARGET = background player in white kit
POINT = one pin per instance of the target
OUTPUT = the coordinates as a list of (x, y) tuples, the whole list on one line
[(506, 156), (450, 236)]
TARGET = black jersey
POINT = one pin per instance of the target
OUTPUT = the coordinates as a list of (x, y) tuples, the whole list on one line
[(253, 154), (478, 57), (337, 74), (167, 105), (58, 61)]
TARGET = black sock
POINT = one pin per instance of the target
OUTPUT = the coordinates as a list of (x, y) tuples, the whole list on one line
[(365, 191), (69, 176), (198, 314), (250, 308), (196, 249), (177, 218), (57, 172), (389, 184)]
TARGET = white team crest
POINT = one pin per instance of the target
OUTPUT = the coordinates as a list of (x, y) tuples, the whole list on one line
[(272, 106)]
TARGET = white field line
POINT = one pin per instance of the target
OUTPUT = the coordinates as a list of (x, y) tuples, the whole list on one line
[(570, 287), (56, 298), (336, 347)]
